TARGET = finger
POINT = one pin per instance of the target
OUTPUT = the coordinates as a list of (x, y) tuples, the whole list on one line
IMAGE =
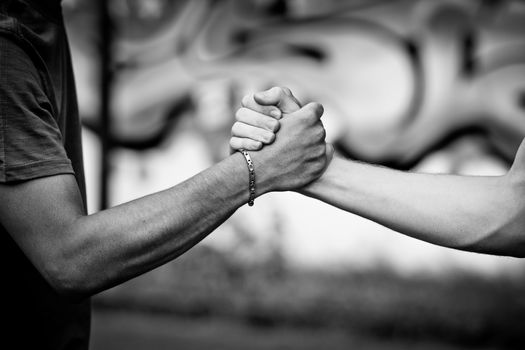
[(250, 117), (289, 93), (269, 110), (329, 152), (237, 143), (312, 111), (279, 97), (251, 132)]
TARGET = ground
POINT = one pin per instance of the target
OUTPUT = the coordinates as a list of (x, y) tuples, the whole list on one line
[(140, 331)]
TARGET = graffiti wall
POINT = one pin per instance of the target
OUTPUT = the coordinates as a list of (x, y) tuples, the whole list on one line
[(424, 86)]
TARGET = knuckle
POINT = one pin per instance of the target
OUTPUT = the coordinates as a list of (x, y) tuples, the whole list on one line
[(268, 136), (277, 90), (316, 151), (316, 131), (316, 108), (246, 100), (244, 115), (319, 152), (319, 172), (319, 109), (322, 133), (282, 90), (236, 128), (233, 143), (273, 125), (255, 145), (239, 113)]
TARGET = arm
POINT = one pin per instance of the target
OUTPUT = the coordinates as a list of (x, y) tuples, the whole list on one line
[(480, 214), (80, 255)]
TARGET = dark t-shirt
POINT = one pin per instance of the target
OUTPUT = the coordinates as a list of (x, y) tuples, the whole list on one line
[(39, 136)]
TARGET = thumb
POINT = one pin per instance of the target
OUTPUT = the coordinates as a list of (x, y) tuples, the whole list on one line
[(279, 97)]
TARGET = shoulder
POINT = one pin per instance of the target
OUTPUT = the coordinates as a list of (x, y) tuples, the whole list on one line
[(17, 68), (24, 81), (22, 86), (13, 53)]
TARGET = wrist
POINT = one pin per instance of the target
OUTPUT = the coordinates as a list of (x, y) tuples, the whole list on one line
[(321, 182), (259, 179), (251, 176), (264, 178)]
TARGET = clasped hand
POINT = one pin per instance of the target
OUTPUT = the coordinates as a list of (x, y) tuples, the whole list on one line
[(287, 140)]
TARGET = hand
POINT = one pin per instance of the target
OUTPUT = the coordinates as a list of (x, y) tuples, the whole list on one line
[(258, 118), (299, 154)]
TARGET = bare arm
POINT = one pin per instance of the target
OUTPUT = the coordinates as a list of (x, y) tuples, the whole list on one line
[(85, 254), (480, 214), (80, 255)]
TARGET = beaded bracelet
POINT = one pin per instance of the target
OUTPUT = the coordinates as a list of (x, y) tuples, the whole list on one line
[(251, 170)]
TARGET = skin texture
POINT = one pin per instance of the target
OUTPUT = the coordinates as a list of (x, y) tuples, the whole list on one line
[(80, 254), (473, 213)]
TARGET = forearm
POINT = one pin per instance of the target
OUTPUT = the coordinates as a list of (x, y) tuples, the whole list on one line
[(469, 213), (122, 242)]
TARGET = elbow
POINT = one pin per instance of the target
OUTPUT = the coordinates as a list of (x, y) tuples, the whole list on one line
[(70, 274), (71, 265), (512, 243), (68, 281), (494, 242), (503, 234), (500, 227), (72, 269)]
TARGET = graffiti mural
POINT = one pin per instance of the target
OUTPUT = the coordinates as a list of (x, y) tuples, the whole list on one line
[(422, 85)]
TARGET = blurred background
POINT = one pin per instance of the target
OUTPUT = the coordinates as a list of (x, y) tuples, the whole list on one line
[(427, 86)]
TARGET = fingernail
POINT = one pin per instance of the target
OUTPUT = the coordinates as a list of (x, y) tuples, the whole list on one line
[(275, 113)]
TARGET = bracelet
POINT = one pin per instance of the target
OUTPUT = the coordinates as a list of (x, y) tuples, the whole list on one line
[(251, 170)]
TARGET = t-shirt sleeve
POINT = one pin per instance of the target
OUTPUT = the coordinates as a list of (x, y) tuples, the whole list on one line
[(30, 140)]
